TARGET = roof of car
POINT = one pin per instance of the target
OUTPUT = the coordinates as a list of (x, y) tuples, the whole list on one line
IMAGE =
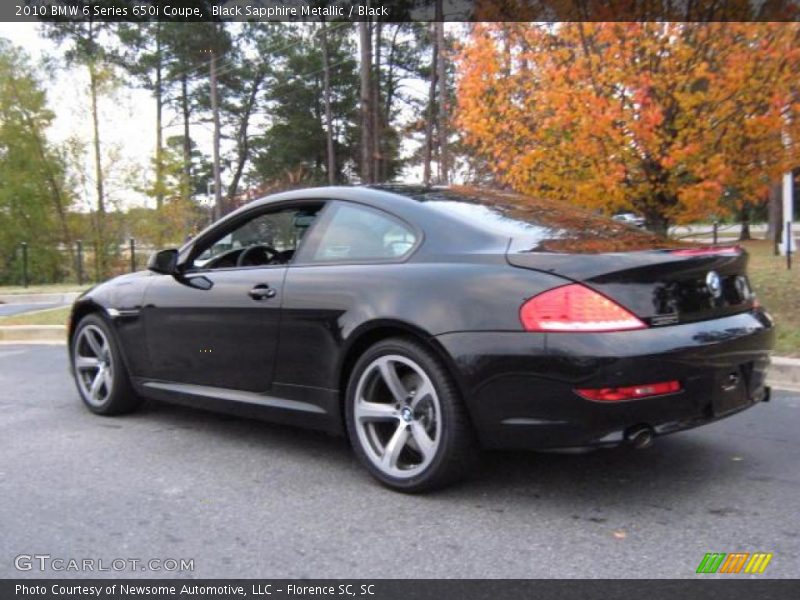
[(363, 194), (571, 227), (377, 193)]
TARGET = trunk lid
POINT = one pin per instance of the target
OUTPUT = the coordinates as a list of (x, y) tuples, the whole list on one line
[(662, 286), (660, 280)]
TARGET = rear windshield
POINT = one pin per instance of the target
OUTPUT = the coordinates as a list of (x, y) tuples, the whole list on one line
[(538, 225)]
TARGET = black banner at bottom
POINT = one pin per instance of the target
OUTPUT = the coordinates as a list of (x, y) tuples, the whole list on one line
[(405, 589)]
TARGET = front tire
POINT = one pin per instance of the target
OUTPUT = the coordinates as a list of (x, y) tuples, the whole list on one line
[(99, 370), (405, 417)]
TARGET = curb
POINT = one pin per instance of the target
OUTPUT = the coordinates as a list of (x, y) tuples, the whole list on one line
[(33, 333), (784, 373), (62, 298)]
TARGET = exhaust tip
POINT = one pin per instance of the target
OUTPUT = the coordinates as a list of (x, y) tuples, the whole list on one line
[(640, 437)]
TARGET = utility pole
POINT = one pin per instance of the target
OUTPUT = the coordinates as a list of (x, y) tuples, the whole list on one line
[(366, 102), (159, 126), (100, 259), (377, 158), (328, 115), (426, 174), (442, 77), (186, 174), (210, 200), (215, 112), (787, 243)]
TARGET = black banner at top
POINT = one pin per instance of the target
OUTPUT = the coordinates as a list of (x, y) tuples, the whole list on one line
[(401, 10)]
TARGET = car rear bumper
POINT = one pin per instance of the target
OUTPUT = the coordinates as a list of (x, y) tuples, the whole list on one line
[(519, 387)]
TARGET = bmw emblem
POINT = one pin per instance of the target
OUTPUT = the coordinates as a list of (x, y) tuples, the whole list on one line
[(714, 284)]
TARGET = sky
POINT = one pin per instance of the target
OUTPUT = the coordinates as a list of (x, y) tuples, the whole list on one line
[(127, 119)]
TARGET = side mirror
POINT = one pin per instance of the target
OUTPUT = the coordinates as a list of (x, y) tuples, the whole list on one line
[(164, 262)]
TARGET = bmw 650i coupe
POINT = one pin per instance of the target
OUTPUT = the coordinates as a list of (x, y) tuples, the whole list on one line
[(426, 323)]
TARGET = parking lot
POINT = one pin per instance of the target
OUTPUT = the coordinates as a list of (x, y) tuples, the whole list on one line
[(242, 497)]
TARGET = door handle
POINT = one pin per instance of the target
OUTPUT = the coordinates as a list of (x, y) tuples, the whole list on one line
[(262, 292)]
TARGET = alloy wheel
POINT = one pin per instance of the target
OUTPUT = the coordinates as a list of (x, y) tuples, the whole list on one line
[(397, 416), (94, 367)]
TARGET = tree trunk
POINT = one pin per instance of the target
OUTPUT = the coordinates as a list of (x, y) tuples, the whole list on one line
[(506, 50), (318, 108), (159, 135), (656, 221), (218, 208), (376, 107), (426, 172), (242, 138), (187, 140), (388, 90), (744, 218), (444, 158), (775, 227), (100, 257), (159, 124), (366, 102), (326, 78), (744, 234)]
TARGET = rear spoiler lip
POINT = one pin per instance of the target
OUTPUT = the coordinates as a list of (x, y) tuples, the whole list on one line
[(706, 251), (587, 267)]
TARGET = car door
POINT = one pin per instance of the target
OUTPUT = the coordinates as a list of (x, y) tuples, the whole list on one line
[(352, 258), (217, 325)]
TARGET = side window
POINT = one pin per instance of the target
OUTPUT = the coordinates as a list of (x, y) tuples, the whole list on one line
[(362, 233), (267, 239)]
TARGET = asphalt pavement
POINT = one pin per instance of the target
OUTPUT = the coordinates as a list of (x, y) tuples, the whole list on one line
[(243, 498)]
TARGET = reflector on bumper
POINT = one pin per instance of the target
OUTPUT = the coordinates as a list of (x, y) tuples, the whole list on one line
[(615, 394)]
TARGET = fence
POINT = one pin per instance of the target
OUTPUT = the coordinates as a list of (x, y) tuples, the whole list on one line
[(717, 233), (78, 263)]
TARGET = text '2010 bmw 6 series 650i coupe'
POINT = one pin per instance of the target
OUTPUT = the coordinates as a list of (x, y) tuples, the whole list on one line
[(425, 323)]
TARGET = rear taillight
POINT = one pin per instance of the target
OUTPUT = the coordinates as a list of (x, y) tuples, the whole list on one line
[(576, 308), (630, 392)]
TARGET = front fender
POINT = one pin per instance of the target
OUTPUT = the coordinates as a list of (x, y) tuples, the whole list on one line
[(119, 301)]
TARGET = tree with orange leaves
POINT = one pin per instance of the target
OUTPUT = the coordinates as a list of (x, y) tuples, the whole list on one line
[(663, 118)]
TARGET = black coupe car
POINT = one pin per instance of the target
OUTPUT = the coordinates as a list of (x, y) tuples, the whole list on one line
[(424, 323)]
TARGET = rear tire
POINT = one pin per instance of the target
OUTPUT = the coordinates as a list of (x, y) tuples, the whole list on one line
[(100, 374), (406, 419)]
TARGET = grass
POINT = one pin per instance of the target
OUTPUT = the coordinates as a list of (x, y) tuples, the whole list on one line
[(50, 316), (52, 288), (778, 289)]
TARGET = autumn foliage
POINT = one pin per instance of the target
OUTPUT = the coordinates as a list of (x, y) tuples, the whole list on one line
[(664, 118)]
